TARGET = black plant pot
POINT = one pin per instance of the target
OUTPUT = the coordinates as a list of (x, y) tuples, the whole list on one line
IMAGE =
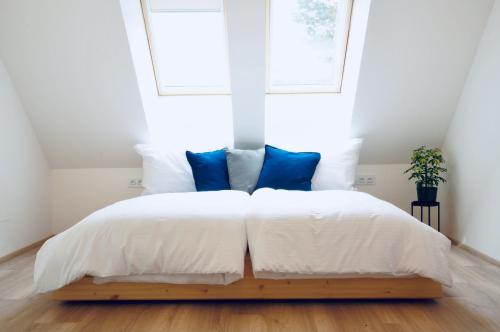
[(426, 194)]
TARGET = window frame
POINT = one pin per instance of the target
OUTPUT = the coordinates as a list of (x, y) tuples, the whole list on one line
[(188, 91), (300, 89)]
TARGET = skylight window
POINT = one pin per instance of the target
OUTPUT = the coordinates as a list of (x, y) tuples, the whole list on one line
[(187, 40), (307, 41)]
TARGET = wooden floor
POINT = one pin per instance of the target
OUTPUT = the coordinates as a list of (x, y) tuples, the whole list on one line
[(473, 304)]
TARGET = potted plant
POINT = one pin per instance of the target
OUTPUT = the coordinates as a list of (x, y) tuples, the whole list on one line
[(426, 169)]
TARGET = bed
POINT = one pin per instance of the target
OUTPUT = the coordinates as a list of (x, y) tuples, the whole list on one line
[(196, 237), (340, 234), (193, 246), (250, 288)]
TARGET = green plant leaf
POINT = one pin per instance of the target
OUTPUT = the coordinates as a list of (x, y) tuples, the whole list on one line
[(426, 166)]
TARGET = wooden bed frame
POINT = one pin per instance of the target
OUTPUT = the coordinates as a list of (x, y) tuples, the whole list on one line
[(250, 288)]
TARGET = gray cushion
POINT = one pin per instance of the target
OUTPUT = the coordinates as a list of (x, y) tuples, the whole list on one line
[(244, 168)]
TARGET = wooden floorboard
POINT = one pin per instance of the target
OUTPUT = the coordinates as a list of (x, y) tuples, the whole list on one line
[(472, 304), (21, 251)]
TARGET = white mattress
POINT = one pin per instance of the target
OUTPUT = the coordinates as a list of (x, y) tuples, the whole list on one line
[(338, 234), (182, 238)]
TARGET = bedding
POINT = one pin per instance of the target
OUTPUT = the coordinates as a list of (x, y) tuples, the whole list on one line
[(287, 170), (244, 168), (174, 237), (337, 168), (209, 170), (340, 234), (164, 171)]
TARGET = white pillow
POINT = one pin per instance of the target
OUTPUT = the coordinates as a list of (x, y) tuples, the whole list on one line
[(165, 171), (337, 169)]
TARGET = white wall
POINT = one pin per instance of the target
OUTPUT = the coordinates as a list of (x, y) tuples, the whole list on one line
[(75, 193), (71, 66), (416, 58), (473, 149), (246, 22), (24, 204)]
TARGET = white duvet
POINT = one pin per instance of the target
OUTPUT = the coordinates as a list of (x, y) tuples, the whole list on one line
[(201, 238), (294, 234), (180, 238)]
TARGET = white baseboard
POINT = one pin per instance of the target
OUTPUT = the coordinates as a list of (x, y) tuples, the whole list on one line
[(23, 250), (475, 252)]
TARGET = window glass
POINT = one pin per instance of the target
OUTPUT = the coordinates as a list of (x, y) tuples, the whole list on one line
[(307, 44), (188, 47)]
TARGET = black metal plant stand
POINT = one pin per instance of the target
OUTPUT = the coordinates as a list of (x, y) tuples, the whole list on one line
[(428, 205)]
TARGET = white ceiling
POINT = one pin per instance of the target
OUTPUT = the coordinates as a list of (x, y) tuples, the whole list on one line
[(72, 67), (416, 58)]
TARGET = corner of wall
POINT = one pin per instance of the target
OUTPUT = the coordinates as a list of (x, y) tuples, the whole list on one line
[(24, 175)]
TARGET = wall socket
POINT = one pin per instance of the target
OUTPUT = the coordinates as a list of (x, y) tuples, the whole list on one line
[(366, 180), (135, 183)]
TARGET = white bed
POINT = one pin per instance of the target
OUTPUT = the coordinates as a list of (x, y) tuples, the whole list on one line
[(198, 241), (197, 238), (340, 234)]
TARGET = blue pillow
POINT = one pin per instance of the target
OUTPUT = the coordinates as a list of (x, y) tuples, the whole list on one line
[(287, 170), (209, 170)]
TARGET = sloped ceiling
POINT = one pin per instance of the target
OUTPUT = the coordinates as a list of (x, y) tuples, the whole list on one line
[(416, 58), (71, 65), (72, 68)]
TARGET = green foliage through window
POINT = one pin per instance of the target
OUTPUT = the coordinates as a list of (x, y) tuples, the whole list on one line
[(318, 16)]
